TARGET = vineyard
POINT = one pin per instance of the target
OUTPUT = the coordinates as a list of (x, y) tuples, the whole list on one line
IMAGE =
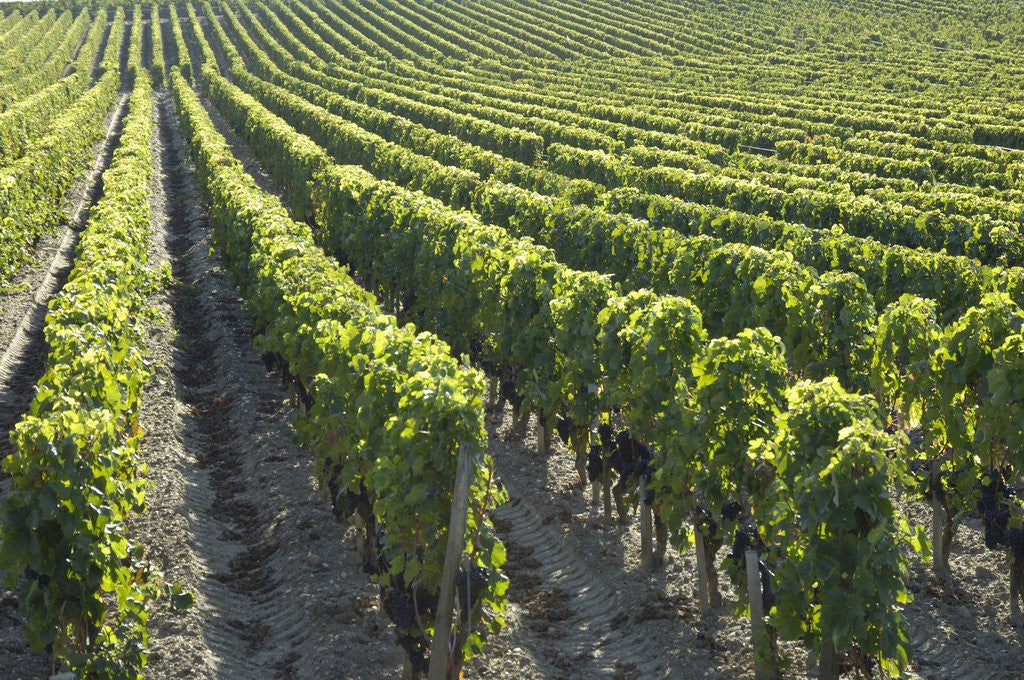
[(438, 339)]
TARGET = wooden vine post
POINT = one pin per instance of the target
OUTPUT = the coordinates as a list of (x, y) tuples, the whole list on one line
[(492, 393), (758, 629), (703, 573), (938, 521), (441, 666), (828, 660), (595, 486), (606, 484), (646, 549), (543, 436)]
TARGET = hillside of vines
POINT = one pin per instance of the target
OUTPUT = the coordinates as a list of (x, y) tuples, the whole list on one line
[(444, 339)]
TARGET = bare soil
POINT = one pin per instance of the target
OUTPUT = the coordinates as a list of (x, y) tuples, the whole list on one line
[(234, 513)]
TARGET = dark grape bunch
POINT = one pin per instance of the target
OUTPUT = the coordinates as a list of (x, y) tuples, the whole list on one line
[(627, 457), (704, 522), (632, 461), (345, 501), (994, 506), (507, 391), (566, 430), (470, 587), (408, 608)]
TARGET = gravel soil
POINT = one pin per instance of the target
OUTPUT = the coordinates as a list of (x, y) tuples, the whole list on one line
[(234, 513)]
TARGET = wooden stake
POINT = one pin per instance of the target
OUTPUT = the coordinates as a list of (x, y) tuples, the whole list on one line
[(543, 437), (581, 462), (758, 631), (439, 658), (703, 581), (606, 480), (364, 548), (646, 556), (828, 661), (938, 522)]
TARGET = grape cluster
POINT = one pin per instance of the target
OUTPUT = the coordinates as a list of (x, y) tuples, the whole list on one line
[(1014, 540), (857, 661), (345, 501), (477, 356), (704, 522), (632, 461), (994, 506), (508, 392), (378, 564), (470, 587), (402, 605), (627, 457), (565, 429), (595, 465), (32, 575)]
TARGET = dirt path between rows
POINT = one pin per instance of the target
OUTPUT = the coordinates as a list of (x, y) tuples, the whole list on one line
[(235, 514)]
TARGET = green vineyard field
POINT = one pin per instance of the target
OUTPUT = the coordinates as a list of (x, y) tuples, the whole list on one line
[(438, 339)]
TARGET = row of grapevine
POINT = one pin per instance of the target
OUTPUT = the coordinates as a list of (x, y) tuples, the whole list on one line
[(348, 200), (890, 271), (75, 470), (390, 275), (863, 215), (32, 196), (33, 193), (566, 229), (26, 120), (383, 399), (157, 42), (45, 61), (444, 148)]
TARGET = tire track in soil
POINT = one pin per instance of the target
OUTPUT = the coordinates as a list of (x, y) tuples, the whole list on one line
[(573, 620), (960, 626), (235, 515), (579, 600), (584, 626)]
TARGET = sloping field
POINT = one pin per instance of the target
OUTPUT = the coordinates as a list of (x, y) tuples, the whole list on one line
[(466, 338)]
